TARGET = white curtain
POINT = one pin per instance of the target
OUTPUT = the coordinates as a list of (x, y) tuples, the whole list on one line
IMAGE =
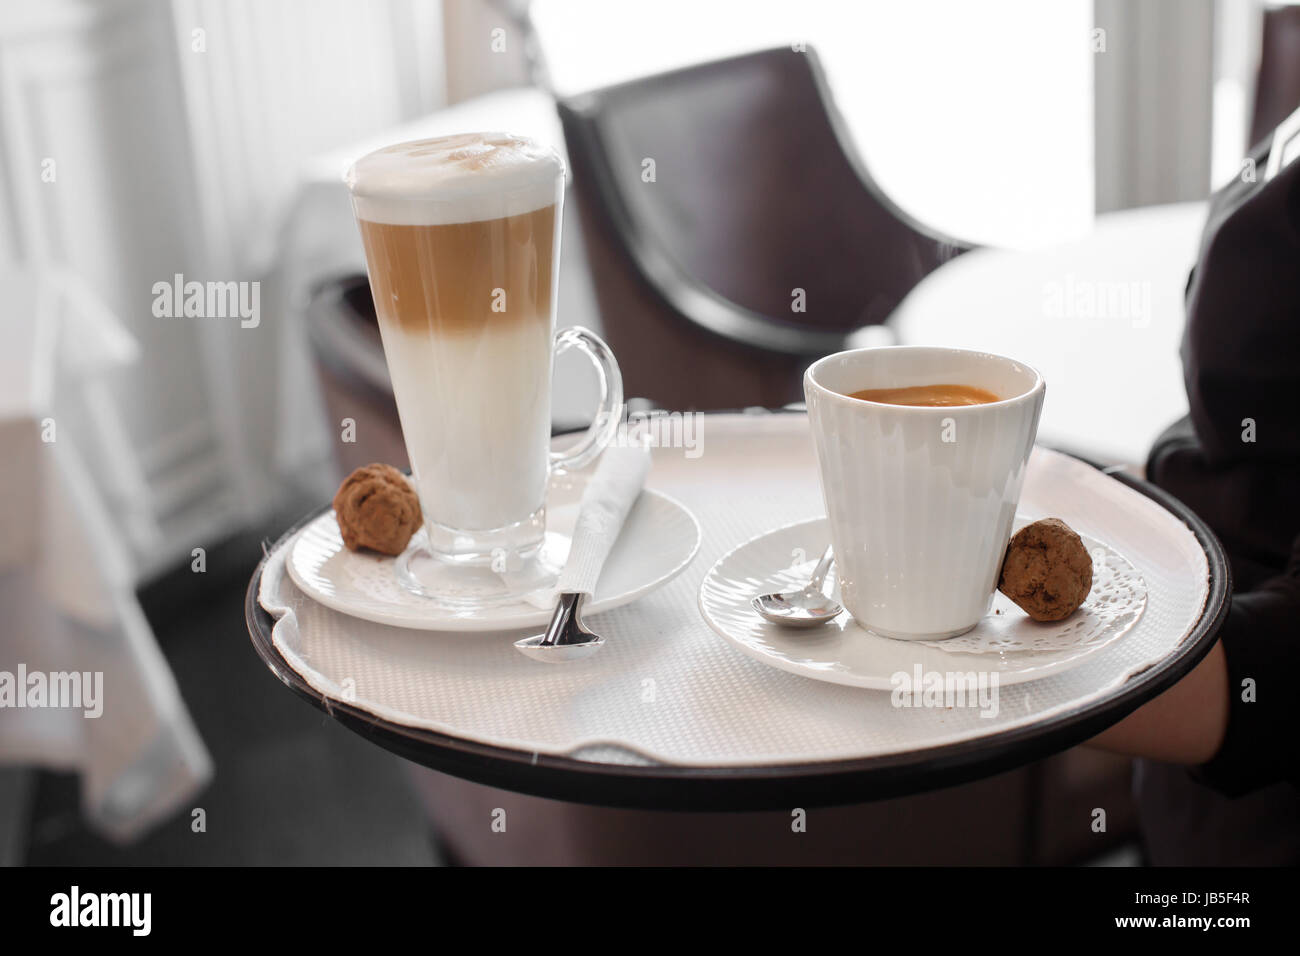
[(144, 138)]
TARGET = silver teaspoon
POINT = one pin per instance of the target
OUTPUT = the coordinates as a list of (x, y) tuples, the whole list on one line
[(567, 638), (806, 607)]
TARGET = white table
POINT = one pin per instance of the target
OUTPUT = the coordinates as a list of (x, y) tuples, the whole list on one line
[(1101, 317), (67, 601)]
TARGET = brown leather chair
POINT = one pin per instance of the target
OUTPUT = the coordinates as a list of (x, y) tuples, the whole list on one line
[(708, 196), (1277, 86)]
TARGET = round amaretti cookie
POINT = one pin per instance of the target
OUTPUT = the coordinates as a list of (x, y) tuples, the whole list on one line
[(378, 509), (1047, 571)]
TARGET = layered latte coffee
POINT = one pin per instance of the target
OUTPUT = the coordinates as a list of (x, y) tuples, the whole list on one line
[(461, 243)]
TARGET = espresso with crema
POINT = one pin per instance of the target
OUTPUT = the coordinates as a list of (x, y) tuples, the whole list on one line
[(933, 396)]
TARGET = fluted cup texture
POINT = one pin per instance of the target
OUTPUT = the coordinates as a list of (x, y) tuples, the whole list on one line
[(921, 500)]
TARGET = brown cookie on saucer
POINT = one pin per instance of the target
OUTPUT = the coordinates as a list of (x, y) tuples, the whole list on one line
[(1047, 571), (377, 509)]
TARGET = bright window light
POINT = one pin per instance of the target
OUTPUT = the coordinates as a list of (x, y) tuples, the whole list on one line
[(976, 118)]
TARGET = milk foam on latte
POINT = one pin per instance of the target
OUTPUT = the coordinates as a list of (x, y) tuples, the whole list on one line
[(460, 235), (454, 179)]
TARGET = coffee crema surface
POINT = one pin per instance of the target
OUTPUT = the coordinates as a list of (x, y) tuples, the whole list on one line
[(933, 396)]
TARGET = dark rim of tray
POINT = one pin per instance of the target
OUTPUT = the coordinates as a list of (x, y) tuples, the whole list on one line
[(769, 787)]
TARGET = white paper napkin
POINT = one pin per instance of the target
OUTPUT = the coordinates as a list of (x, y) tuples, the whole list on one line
[(606, 501), (618, 481)]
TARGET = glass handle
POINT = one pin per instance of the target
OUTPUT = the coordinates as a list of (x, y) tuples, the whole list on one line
[(610, 411)]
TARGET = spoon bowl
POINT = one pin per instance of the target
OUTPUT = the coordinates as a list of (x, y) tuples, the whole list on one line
[(804, 607)]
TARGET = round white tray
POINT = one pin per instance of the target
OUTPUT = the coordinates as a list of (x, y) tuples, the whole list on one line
[(667, 691)]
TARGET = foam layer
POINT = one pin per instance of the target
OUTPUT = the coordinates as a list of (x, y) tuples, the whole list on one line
[(465, 178)]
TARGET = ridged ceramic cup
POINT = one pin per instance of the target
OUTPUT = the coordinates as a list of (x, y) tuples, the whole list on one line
[(921, 499)]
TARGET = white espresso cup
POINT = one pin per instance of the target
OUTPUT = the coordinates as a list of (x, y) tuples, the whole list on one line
[(921, 499)]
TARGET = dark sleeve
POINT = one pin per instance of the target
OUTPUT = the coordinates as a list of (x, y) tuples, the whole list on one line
[(1238, 461), (1241, 342), (1253, 509), (1262, 646)]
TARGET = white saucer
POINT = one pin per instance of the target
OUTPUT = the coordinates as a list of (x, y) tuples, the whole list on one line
[(1006, 641), (656, 544)]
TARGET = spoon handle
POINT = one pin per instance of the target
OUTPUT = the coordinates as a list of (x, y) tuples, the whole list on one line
[(566, 610), (819, 572)]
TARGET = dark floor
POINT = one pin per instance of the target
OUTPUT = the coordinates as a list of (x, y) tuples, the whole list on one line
[(290, 785)]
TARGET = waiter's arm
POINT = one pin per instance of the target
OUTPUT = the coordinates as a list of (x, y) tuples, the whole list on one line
[(1186, 724)]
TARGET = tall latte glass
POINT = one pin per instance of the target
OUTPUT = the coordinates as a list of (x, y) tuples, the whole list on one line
[(462, 244)]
